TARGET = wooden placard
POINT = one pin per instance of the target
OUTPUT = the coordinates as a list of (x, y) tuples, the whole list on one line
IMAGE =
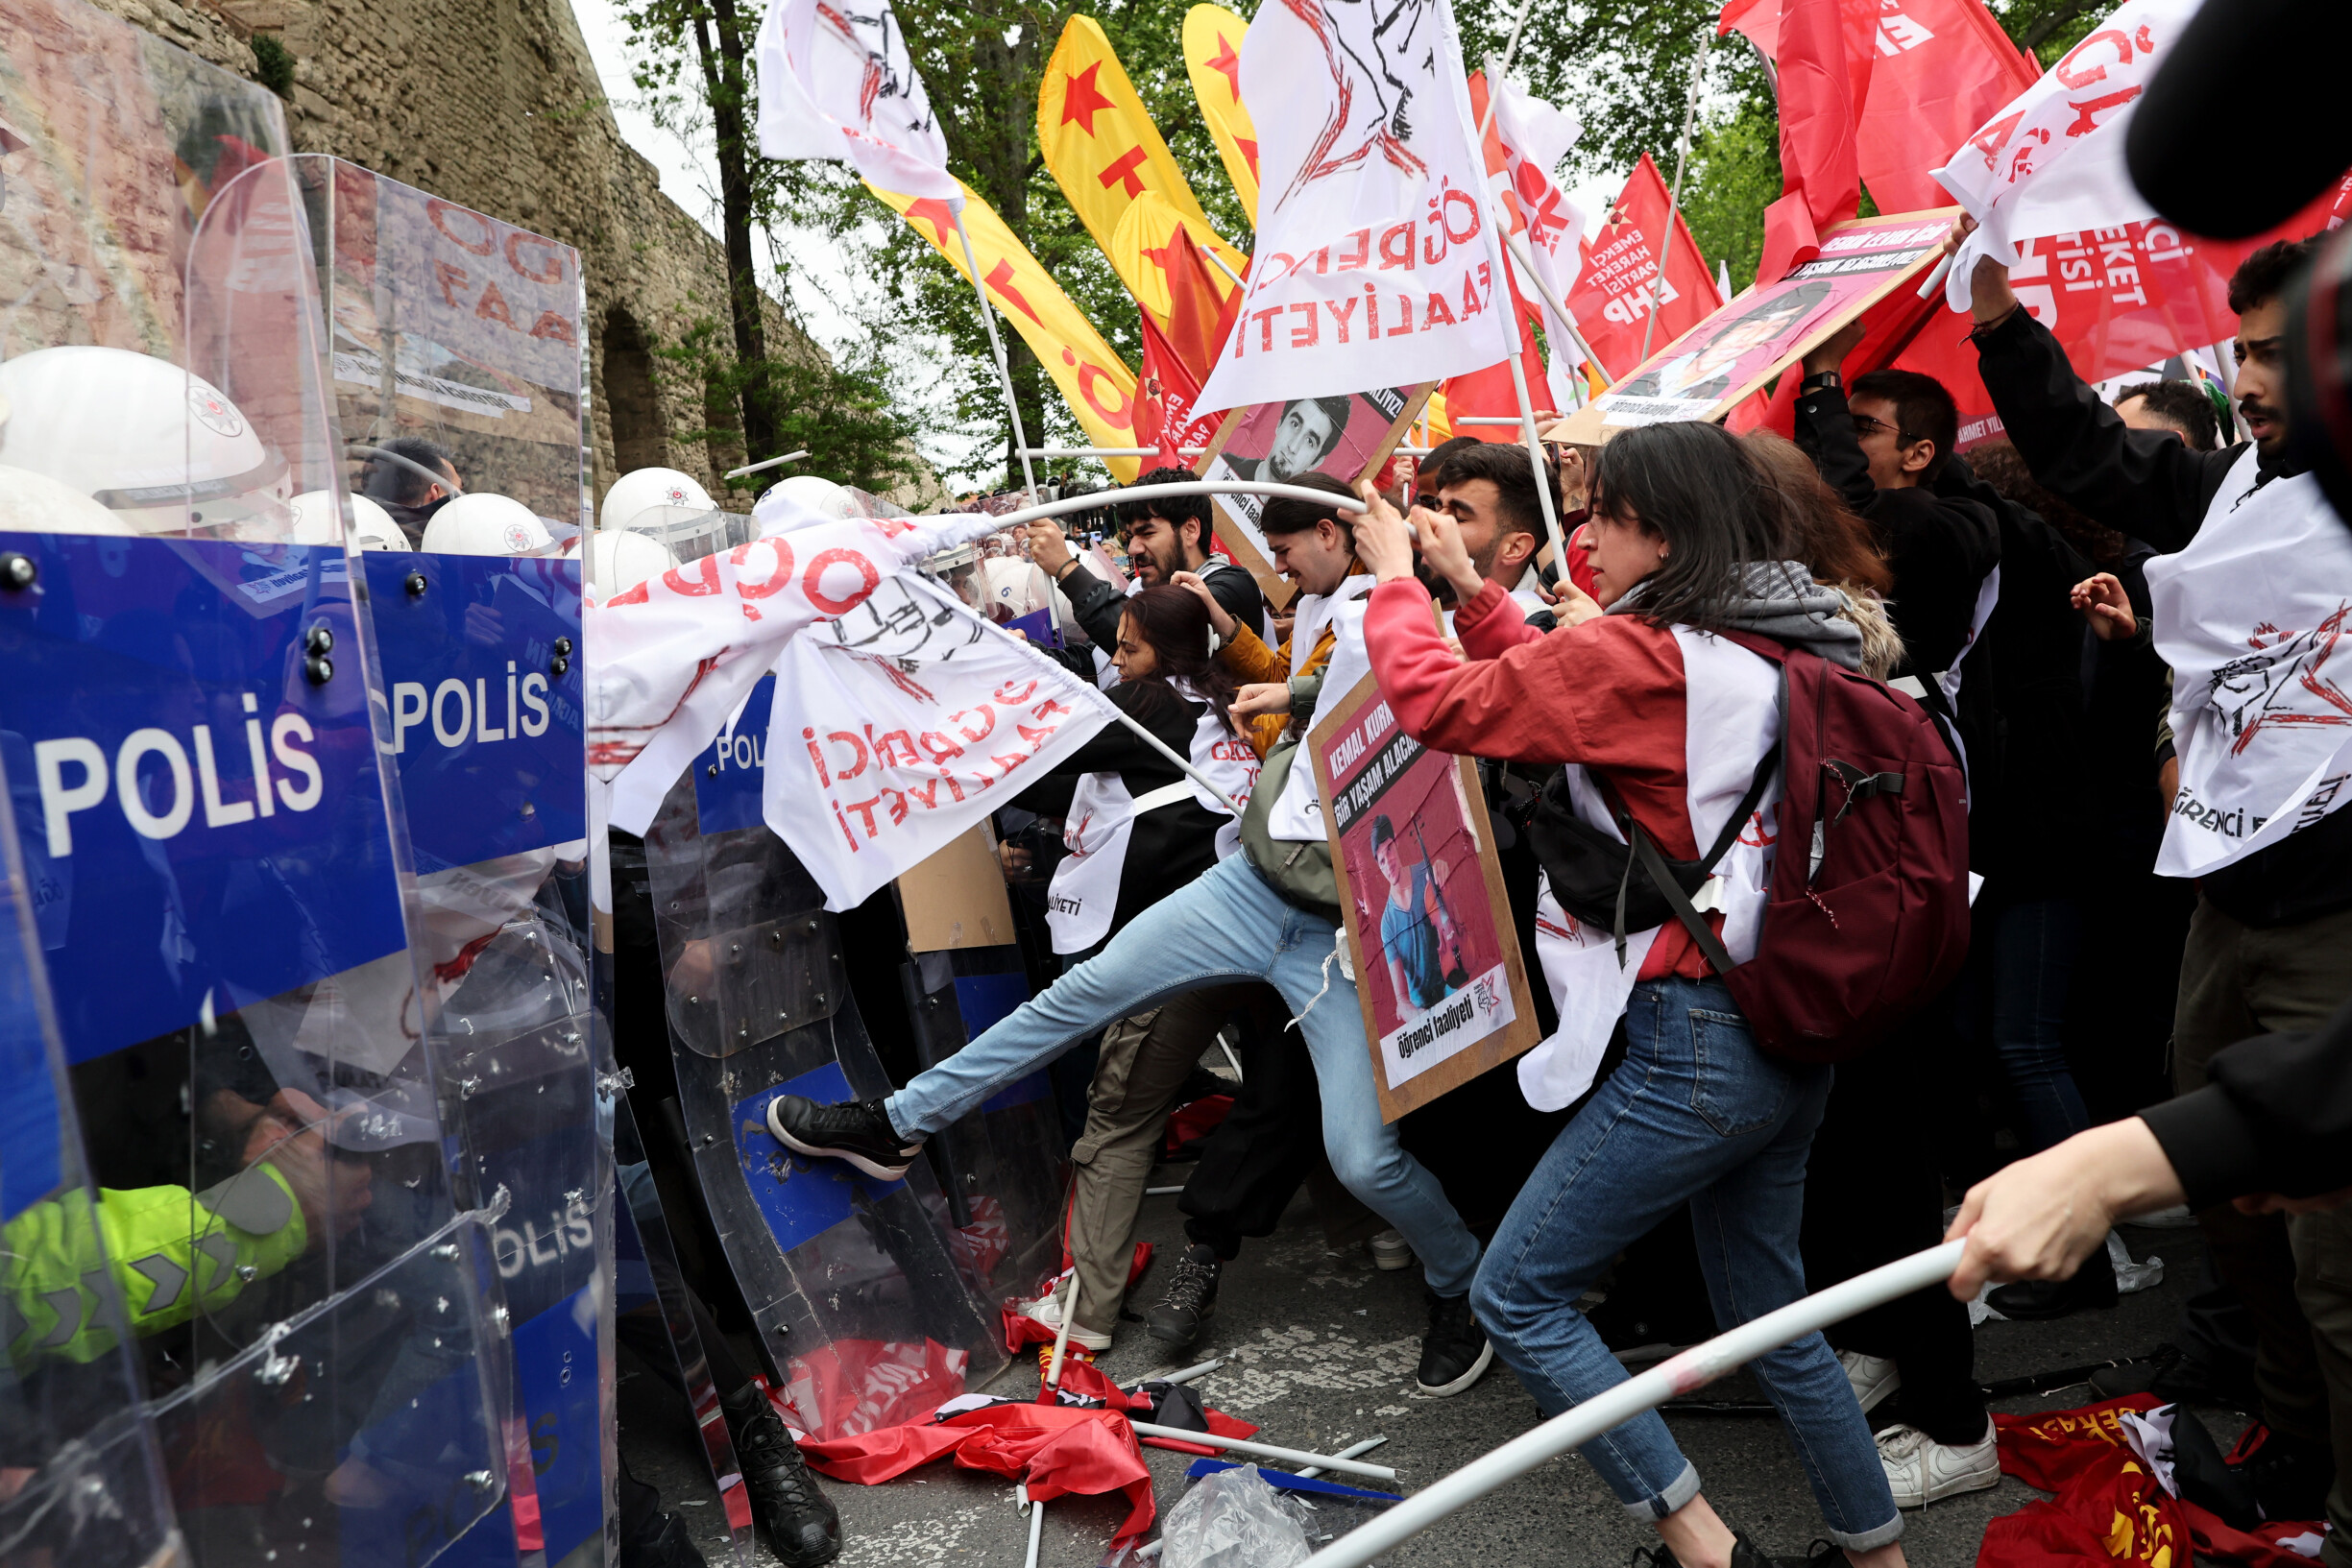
[(1742, 344), (957, 898), (1247, 442), (1439, 973)]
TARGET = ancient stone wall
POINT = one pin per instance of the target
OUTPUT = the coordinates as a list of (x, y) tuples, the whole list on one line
[(495, 104)]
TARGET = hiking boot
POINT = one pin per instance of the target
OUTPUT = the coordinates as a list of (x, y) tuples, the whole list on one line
[(1919, 1470), (662, 1543), (1189, 1301), (1455, 1352), (1391, 1251), (798, 1520), (2173, 1375), (1874, 1377), (856, 1130)]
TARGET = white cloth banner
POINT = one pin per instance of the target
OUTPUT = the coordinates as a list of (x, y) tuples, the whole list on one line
[(1535, 135), (501, 297), (1374, 264), (2252, 616), (2052, 162), (897, 712), (838, 83)]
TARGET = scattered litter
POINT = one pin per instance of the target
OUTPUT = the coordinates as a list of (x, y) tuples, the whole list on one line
[(1232, 1519)]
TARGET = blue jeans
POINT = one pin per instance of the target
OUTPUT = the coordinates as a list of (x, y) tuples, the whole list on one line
[(1698, 1115), (2033, 963), (1228, 924)]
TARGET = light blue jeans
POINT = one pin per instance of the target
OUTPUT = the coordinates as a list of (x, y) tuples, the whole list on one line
[(1228, 924), (1696, 1114)]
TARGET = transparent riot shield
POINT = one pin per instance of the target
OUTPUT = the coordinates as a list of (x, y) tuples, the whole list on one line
[(227, 931), (456, 368), (85, 1485), (868, 1295)]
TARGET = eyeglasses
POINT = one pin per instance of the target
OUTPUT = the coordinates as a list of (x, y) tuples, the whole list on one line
[(1864, 424)]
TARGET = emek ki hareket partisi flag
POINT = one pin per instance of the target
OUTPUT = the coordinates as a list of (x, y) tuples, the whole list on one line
[(1374, 264), (898, 711)]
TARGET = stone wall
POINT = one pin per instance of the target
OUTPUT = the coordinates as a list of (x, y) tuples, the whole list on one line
[(496, 104)]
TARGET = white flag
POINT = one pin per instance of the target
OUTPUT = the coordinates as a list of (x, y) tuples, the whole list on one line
[(1374, 264), (2052, 162), (836, 81), (2252, 617), (1535, 135), (898, 710)]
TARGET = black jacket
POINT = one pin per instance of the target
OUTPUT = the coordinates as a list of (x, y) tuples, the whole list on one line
[(1097, 605), (2276, 1118), (1939, 545), (2150, 485), (1168, 847)]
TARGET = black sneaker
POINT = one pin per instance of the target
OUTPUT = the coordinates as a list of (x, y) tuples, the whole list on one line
[(2173, 1375), (797, 1519), (1745, 1554), (856, 1130), (662, 1542), (1455, 1352), (2039, 1300), (2291, 1477), (1191, 1300)]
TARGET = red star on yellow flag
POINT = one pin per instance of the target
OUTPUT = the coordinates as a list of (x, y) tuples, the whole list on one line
[(1082, 99), (1228, 62)]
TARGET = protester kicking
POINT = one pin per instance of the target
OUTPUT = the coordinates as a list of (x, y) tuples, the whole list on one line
[(1687, 534), (1229, 924)]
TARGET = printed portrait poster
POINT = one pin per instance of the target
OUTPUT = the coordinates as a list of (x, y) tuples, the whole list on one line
[(1740, 347), (1439, 972), (1347, 436)]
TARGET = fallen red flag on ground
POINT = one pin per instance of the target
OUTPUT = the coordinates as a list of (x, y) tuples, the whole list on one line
[(1057, 1450)]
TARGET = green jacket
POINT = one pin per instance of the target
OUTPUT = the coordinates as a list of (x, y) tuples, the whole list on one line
[(171, 1252)]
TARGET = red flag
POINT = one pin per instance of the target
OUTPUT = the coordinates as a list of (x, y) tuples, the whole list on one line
[(1823, 81), (1936, 70), (1620, 273), (1489, 395), (1177, 362), (1057, 1449)]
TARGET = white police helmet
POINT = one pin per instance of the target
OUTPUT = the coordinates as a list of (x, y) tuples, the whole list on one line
[(624, 559), (33, 503), (161, 448), (481, 523), (372, 526), (640, 491), (822, 497)]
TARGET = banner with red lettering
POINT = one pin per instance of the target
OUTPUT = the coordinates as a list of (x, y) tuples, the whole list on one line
[(898, 710), (1373, 265), (491, 293), (1620, 280)]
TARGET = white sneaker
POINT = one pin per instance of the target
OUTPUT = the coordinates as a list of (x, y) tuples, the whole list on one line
[(1921, 1471), (1391, 1252), (1874, 1377), (1047, 1310)]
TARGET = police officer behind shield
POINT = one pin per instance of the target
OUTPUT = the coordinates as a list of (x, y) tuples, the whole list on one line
[(400, 477)]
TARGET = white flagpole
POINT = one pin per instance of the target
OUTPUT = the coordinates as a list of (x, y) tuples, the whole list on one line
[(1674, 199), (1496, 224), (996, 351)]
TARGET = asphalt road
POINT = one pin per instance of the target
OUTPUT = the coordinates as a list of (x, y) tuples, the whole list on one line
[(1320, 1350)]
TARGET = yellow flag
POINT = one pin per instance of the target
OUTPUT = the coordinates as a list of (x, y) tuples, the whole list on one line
[(1094, 381), (1102, 147), (1213, 58)]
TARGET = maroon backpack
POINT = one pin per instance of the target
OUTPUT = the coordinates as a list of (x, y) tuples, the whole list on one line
[(1866, 917)]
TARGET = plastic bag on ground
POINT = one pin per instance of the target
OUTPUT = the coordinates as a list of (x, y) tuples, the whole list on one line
[(1232, 1519)]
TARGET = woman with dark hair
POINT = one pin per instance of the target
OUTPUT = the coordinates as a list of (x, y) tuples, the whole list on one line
[(1836, 545), (1137, 830), (1659, 719)]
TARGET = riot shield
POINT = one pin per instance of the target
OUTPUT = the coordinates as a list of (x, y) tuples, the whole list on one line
[(90, 1485), (249, 1031), (868, 1295), (456, 367)]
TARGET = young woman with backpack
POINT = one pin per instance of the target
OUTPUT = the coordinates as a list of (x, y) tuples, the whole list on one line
[(1669, 729)]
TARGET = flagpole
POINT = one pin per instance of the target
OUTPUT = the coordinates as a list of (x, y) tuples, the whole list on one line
[(1674, 199), (1501, 262), (996, 349)]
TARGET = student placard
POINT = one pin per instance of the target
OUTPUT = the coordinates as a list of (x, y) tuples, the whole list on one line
[(1439, 972), (1704, 374), (1347, 437)]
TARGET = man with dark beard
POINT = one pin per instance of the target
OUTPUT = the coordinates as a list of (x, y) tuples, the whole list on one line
[(1489, 492), (1165, 535)]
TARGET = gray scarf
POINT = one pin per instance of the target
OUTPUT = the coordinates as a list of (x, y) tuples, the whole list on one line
[(1779, 599)]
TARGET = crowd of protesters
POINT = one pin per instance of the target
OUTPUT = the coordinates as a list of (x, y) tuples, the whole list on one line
[(2002, 592)]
